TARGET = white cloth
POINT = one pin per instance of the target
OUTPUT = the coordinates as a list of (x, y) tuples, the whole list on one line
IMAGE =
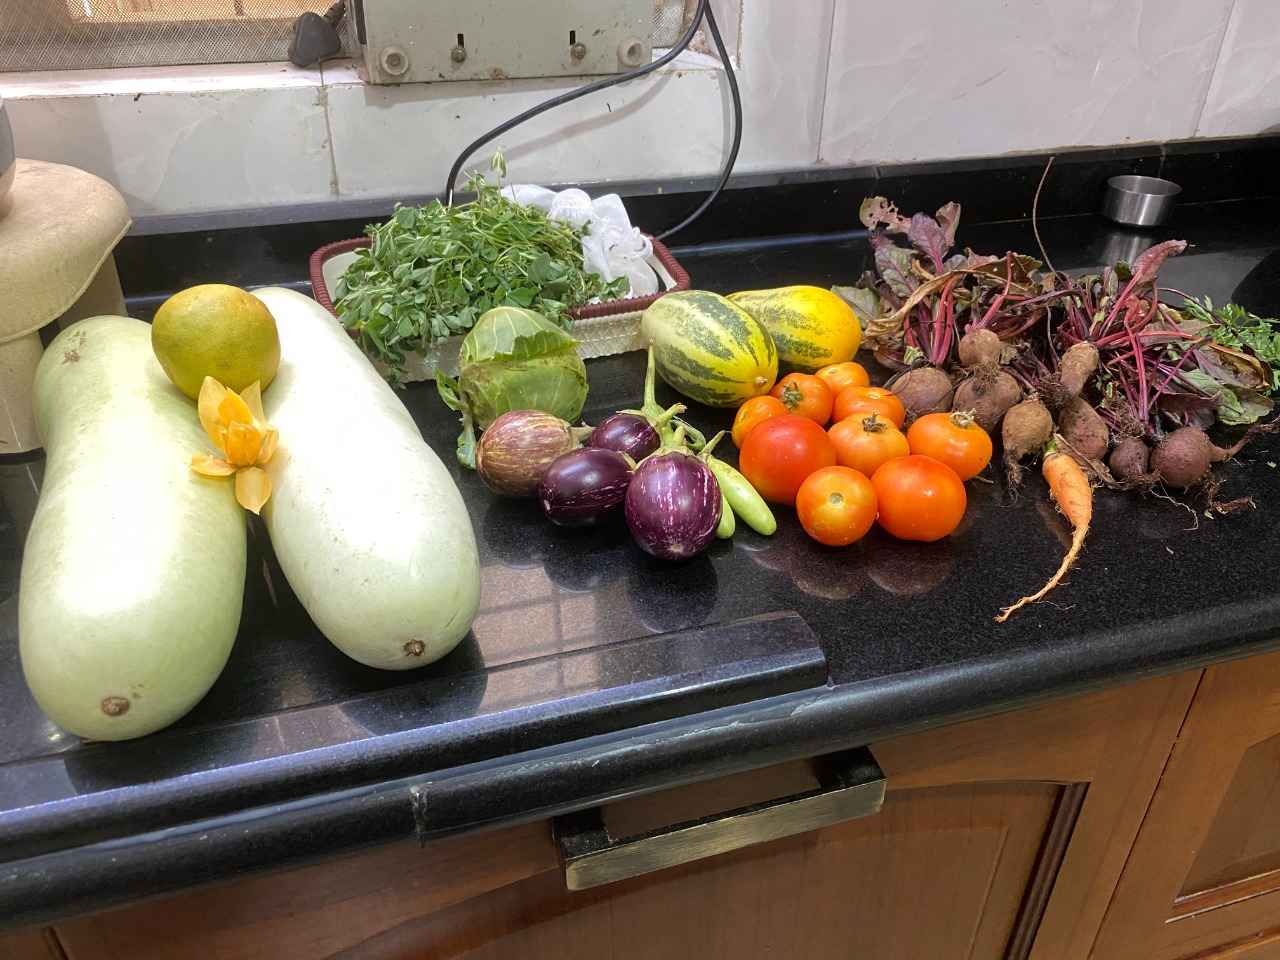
[(611, 247)]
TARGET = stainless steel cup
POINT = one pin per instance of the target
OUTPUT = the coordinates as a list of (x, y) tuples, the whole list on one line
[(1140, 201)]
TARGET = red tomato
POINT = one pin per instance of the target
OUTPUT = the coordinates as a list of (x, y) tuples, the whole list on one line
[(919, 498), (836, 506), (865, 442), (780, 453), (805, 395), (837, 376), (953, 439), (753, 413), (865, 400)]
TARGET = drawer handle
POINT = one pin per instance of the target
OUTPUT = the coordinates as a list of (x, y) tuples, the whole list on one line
[(851, 785)]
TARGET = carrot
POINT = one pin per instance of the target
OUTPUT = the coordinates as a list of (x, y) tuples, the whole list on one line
[(1070, 489)]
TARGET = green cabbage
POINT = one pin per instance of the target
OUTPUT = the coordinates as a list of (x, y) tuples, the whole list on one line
[(513, 359)]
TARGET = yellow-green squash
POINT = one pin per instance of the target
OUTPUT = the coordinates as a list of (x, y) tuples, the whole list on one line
[(709, 349), (811, 327)]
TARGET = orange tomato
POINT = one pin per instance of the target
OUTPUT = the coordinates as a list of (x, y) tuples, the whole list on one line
[(866, 400), (919, 498), (805, 395), (836, 506), (837, 376), (753, 413), (780, 453), (953, 439), (864, 442)]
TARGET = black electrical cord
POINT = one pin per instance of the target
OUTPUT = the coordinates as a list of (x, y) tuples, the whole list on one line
[(703, 12)]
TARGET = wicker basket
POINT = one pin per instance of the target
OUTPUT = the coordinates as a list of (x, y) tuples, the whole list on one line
[(602, 329)]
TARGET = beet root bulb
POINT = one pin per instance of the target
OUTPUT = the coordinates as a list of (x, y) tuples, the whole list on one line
[(1026, 429), (924, 390), (1084, 430), (1130, 460), (980, 348), (988, 397), (1183, 458)]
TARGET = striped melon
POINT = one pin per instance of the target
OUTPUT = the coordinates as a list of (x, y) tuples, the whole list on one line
[(709, 349), (811, 327)]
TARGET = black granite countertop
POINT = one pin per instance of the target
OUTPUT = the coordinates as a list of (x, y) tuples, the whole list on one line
[(594, 672)]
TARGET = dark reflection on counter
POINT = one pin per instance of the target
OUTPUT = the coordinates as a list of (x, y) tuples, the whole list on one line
[(908, 569), (513, 531), (671, 596)]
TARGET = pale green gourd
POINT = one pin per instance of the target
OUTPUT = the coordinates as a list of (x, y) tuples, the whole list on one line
[(133, 572), (368, 526)]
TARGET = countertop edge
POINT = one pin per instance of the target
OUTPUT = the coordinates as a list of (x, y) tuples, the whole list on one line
[(583, 773)]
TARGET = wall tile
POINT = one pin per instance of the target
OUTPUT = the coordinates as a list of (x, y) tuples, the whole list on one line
[(233, 138), (987, 77), (1244, 97)]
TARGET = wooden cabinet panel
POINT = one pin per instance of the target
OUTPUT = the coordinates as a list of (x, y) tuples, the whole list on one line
[(1203, 879), (317, 911), (1244, 839), (1000, 838), (29, 945), (938, 873)]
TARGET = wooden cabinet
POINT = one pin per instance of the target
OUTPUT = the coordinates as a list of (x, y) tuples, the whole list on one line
[(30, 945), (1001, 837), (1204, 877)]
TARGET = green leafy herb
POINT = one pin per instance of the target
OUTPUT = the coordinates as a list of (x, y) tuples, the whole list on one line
[(1234, 326), (431, 272)]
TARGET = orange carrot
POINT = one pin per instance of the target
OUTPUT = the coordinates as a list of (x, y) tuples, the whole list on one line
[(1070, 489)]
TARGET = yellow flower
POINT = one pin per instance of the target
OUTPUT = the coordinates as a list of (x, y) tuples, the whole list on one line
[(238, 427)]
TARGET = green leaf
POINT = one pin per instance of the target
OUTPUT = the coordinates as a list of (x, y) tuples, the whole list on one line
[(447, 387), (466, 451)]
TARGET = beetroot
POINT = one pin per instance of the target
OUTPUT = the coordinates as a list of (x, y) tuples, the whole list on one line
[(1084, 429), (1077, 365), (1027, 428), (988, 395), (1129, 460), (1184, 457), (923, 390), (980, 348)]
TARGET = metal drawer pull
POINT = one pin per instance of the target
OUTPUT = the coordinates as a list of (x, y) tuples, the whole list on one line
[(851, 785)]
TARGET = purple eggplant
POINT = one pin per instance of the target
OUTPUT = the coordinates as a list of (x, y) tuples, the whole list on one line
[(627, 433), (583, 486), (516, 450), (673, 506)]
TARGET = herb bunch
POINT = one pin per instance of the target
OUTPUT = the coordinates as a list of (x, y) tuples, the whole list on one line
[(1234, 326), (433, 270)]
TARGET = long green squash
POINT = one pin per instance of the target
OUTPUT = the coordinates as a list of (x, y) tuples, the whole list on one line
[(133, 572), (709, 349), (365, 520)]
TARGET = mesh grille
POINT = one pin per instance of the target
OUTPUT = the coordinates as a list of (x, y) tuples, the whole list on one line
[(670, 18), (86, 34), (81, 34)]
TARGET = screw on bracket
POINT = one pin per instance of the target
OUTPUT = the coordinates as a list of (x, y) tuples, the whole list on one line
[(394, 61)]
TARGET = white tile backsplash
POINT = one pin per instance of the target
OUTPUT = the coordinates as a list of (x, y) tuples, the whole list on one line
[(1244, 97), (984, 77), (170, 148), (824, 82)]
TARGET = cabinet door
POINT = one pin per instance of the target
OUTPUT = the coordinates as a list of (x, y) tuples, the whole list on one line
[(999, 838), (29, 945), (1204, 877)]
